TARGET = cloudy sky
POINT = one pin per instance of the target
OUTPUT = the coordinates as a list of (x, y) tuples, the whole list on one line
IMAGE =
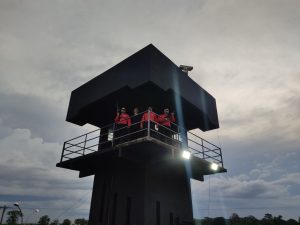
[(245, 53)]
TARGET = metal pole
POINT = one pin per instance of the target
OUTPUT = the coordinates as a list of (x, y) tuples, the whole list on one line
[(113, 131), (84, 144), (148, 132), (221, 157), (3, 211), (62, 153), (202, 147), (17, 205)]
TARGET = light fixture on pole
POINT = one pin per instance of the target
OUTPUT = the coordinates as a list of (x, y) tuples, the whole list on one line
[(17, 205)]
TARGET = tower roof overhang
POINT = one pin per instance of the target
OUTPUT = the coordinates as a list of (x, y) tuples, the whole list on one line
[(146, 78)]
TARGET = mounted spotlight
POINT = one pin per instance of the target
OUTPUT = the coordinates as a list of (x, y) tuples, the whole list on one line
[(214, 166), (186, 154)]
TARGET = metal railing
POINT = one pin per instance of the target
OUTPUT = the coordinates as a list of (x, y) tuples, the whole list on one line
[(116, 135)]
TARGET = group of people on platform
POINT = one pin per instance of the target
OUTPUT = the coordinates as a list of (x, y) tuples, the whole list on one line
[(162, 123)]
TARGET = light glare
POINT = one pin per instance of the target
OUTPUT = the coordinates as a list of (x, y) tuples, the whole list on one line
[(214, 166), (186, 154)]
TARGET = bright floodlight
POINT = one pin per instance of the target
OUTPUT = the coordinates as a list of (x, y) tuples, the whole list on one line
[(186, 154), (214, 166)]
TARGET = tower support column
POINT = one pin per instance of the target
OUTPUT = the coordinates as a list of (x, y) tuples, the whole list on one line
[(135, 194)]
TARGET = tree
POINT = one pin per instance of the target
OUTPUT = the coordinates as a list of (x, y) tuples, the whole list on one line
[(81, 221), (55, 222), (268, 216), (44, 220), (207, 221), (268, 219), (250, 220), (278, 220), (219, 221), (291, 222), (66, 222), (234, 219), (13, 217)]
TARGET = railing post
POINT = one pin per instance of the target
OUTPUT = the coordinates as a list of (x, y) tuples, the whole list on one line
[(148, 131), (84, 144), (184, 137), (221, 157), (202, 147), (62, 153), (113, 132)]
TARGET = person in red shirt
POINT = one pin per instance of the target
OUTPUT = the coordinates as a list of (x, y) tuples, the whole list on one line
[(122, 124), (165, 120), (149, 115)]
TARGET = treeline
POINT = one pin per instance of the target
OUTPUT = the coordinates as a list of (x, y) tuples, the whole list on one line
[(14, 217), (235, 219)]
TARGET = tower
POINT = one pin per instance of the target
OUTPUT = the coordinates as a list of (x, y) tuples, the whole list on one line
[(141, 177)]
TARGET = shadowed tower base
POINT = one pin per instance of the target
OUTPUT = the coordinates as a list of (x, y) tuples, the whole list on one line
[(135, 194)]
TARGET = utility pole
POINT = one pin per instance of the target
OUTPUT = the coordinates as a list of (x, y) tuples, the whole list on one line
[(3, 212)]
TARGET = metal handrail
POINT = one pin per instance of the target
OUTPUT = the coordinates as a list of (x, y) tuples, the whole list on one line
[(204, 140), (198, 146)]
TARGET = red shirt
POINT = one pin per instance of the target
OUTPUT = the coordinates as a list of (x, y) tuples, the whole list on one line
[(123, 118), (166, 119), (152, 116)]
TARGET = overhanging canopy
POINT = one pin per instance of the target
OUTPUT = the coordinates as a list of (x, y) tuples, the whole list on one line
[(146, 78)]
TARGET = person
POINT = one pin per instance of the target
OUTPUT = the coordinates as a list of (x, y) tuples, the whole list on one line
[(122, 124), (165, 120), (135, 124), (149, 115)]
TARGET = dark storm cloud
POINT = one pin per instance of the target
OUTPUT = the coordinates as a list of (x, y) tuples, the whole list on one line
[(268, 184)]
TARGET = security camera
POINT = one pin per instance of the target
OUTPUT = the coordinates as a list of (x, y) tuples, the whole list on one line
[(185, 68)]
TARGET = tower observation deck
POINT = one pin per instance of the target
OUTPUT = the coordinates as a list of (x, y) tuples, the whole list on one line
[(140, 174)]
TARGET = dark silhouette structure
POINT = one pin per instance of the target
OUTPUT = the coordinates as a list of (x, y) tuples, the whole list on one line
[(142, 179)]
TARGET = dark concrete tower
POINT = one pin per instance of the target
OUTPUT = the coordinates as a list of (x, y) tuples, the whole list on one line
[(141, 177)]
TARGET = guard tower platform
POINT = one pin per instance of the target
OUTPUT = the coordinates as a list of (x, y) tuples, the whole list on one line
[(89, 152), (142, 173)]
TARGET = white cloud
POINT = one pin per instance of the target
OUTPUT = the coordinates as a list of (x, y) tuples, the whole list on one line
[(28, 174)]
